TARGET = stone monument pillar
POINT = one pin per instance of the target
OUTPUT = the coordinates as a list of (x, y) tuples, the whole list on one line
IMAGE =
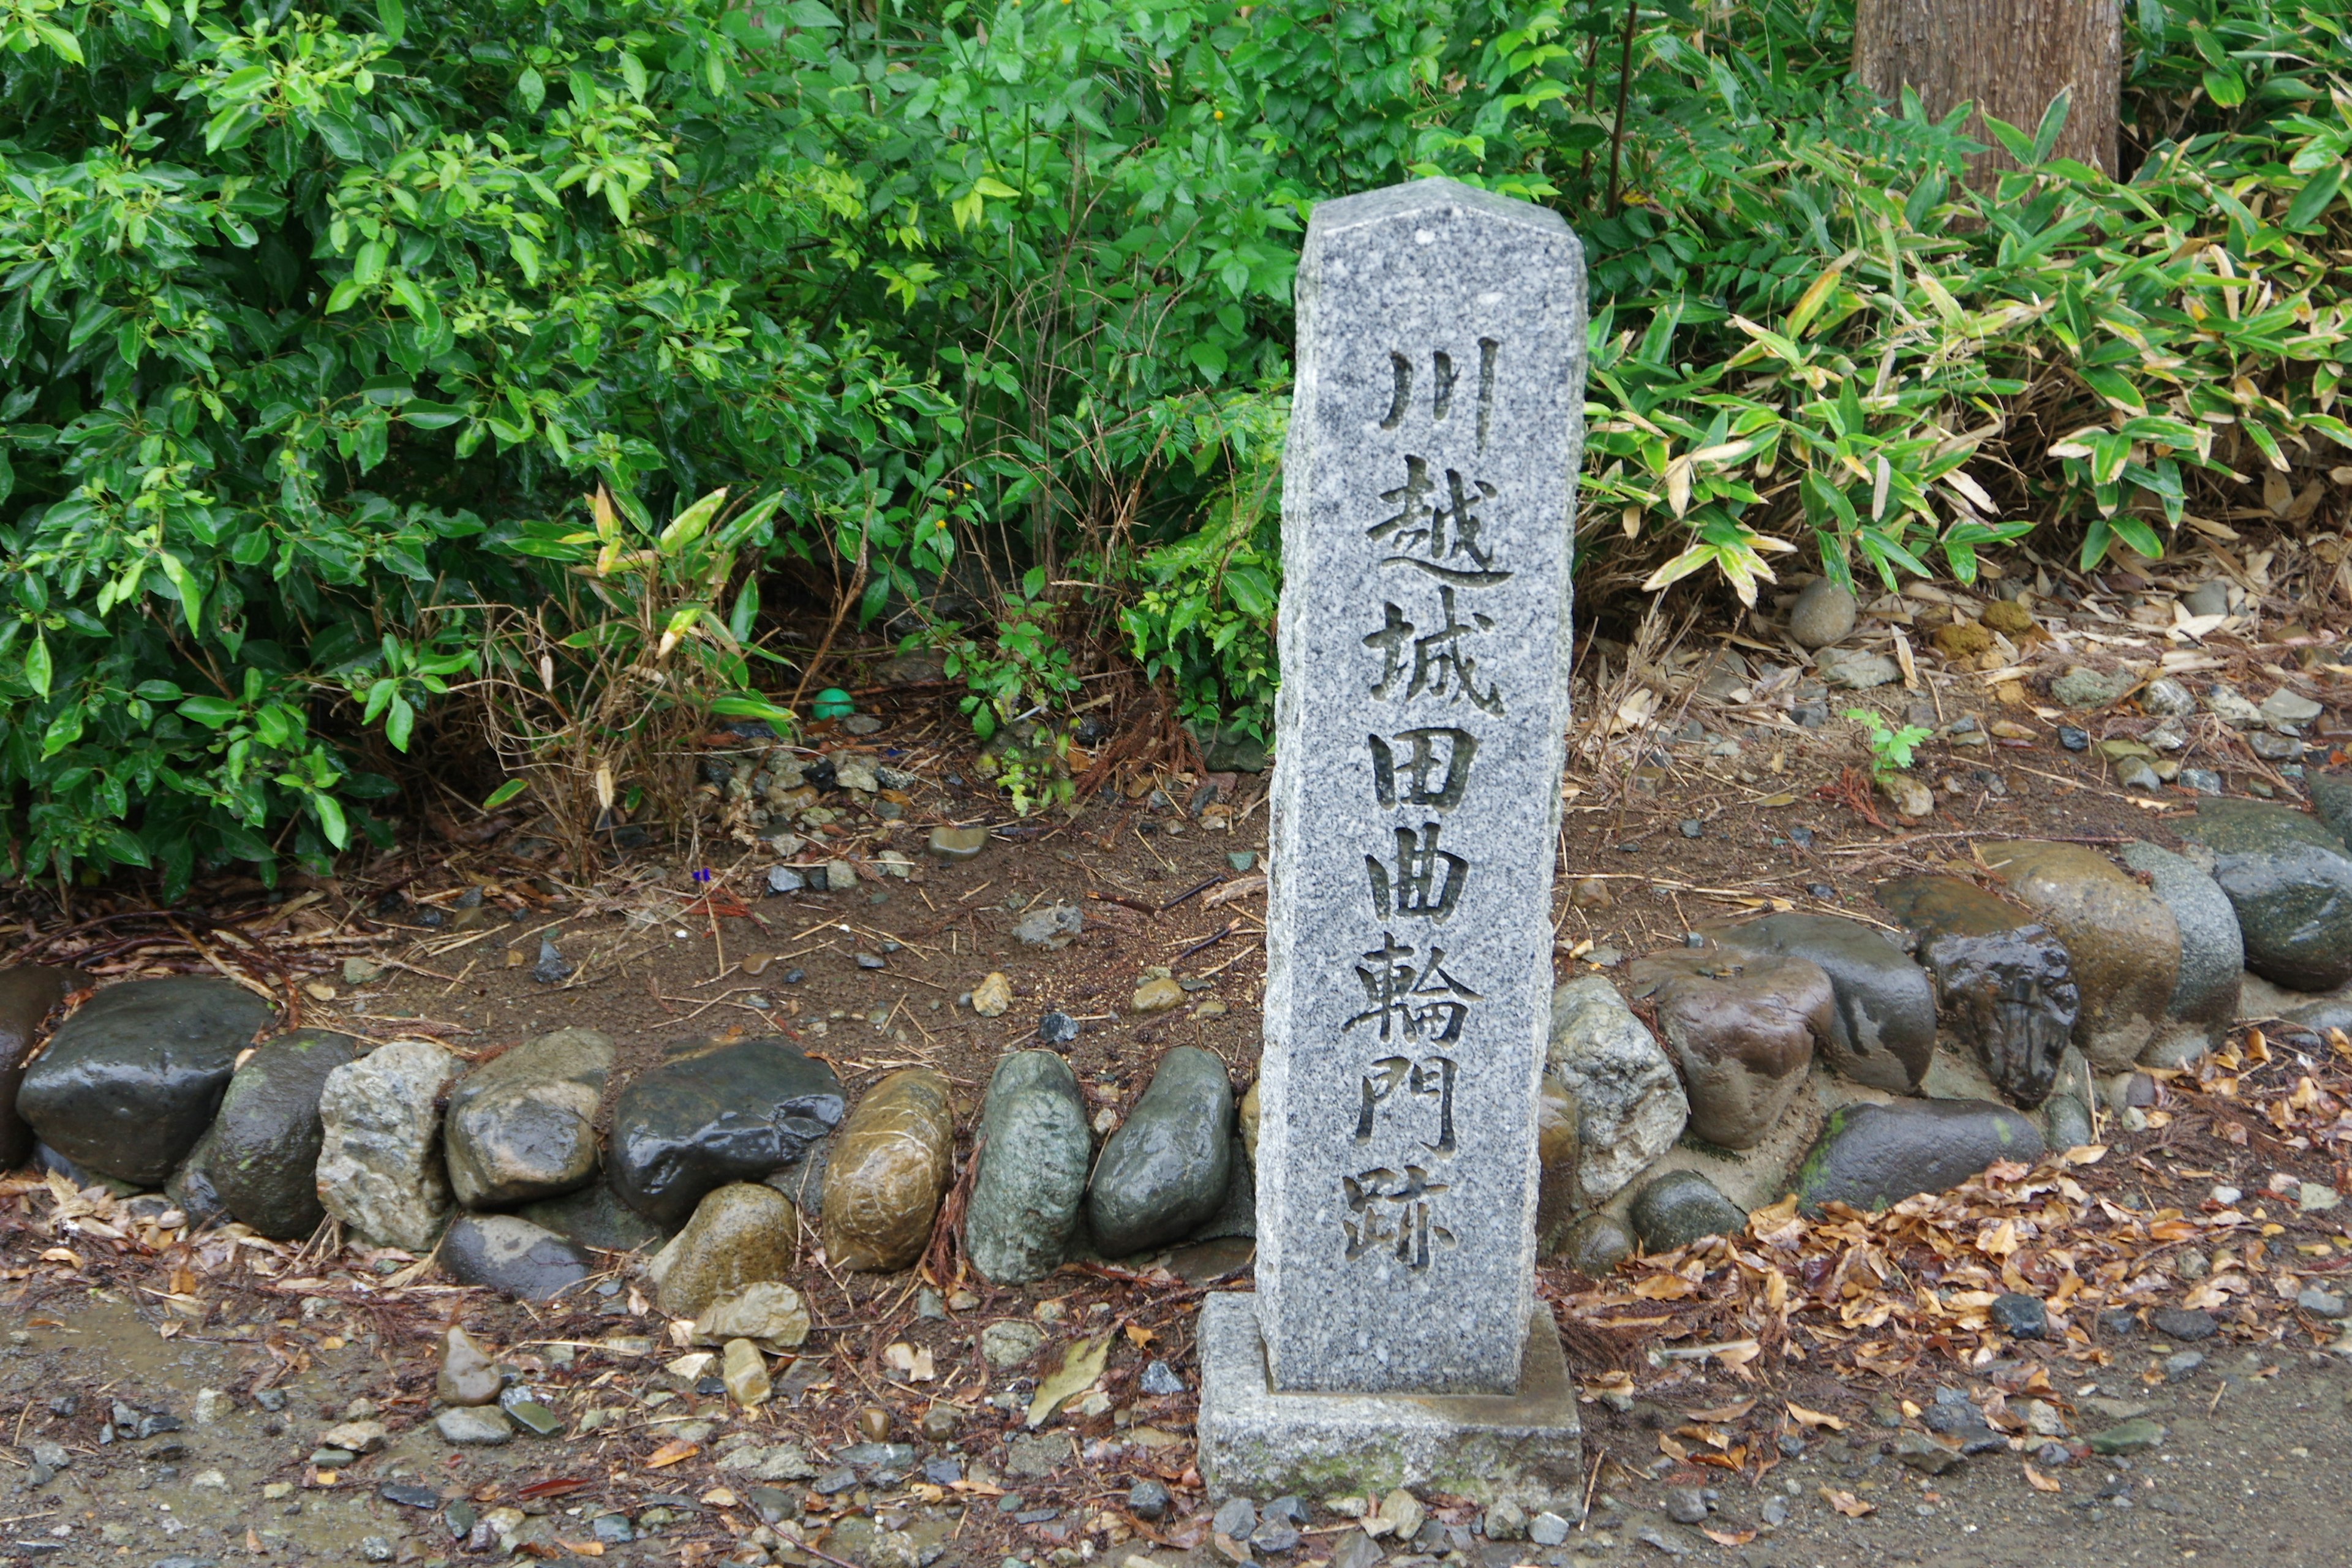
[(1394, 1338)]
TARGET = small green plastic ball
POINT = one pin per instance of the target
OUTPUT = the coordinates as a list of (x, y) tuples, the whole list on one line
[(833, 702)]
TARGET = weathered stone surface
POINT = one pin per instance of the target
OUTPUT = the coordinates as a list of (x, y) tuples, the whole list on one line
[(1823, 613), (1595, 1245), (1870, 1156), (2204, 1001), (1680, 1207), (1033, 1151), (1523, 1449), (261, 1155), (711, 1114), (1165, 1170), (1426, 551), (1629, 1102), (1236, 1212), (380, 1167), (522, 1125), (1742, 1028), (474, 1427), (888, 1169), (768, 1311), (506, 1253), (1558, 1152), (466, 1375), (2290, 880), (131, 1081), (2331, 800), (2083, 686), (739, 1235), (1883, 1028), (2122, 943), (2003, 984), (593, 1217), (27, 993), (2065, 1121)]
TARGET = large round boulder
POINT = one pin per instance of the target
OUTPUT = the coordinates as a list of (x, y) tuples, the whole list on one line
[(889, 1167), (261, 1156), (2204, 1001), (712, 1114), (2290, 880), (1033, 1149), (522, 1125), (1870, 1156), (1883, 1030), (2004, 983), (131, 1081), (2121, 941), (27, 994), (1743, 1029), (1166, 1170)]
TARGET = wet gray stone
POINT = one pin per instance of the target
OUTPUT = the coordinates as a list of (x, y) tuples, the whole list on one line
[(593, 1217), (474, 1426), (261, 1155), (1883, 1030), (2004, 985), (131, 1081), (2204, 1001), (1033, 1151), (509, 1253), (1680, 1207), (2065, 1121), (1595, 1245), (522, 1125), (1165, 1170), (27, 994), (1742, 1028), (1871, 1156), (2290, 880), (711, 1114)]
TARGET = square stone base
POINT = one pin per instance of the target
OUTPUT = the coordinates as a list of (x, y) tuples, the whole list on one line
[(1524, 1448)]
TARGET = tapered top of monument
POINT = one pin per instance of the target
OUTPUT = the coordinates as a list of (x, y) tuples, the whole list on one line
[(1424, 197)]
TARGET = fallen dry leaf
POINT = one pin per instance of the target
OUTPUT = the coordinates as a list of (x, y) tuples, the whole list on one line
[(2039, 1481), (1081, 1364), (671, 1452), (1847, 1503), (1729, 1537), (1805, 1418), (1721, 1413)]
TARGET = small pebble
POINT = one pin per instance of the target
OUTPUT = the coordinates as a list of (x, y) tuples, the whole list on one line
[(1148, 1499), (1057, 1028), (2073, 739), (1686, 1505), (2020, 1316), (1692, 828), (1547, 1530)]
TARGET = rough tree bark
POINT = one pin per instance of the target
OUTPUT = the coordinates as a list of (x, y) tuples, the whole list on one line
[(2010, 58)]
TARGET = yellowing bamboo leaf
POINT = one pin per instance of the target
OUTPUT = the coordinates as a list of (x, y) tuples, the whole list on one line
[(2039, 1481), (1804, 1417), (671, 1452)]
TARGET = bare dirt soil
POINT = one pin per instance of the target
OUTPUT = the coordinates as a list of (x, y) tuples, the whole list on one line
[(1660, 833)]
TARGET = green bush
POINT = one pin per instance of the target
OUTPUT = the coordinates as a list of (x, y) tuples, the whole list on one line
[(319, 327)]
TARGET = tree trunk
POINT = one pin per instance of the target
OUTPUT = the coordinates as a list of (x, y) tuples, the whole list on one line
[(2010, 58)]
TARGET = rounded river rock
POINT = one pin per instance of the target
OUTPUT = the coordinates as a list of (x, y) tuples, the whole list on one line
[(1875, 1155), (2289, 878), (888, 1169), (131, 1081), (1033, 1150), (522, 1125), (740, 1234), (511, 1255), (1883, 1031), (1165, 1171), (1743, 1029), (711, 1114), (27, 993), (262, 1153)]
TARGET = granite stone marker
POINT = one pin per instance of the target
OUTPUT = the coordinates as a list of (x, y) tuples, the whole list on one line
[(1429, 488)]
